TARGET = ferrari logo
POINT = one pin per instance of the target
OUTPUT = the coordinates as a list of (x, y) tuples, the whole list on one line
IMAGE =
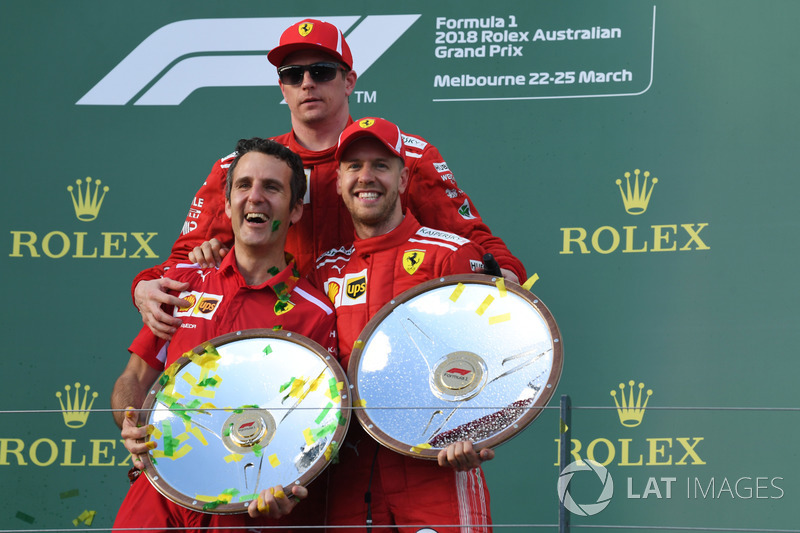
[(412, 259), (366, 123), (283, 307), (305, 29)]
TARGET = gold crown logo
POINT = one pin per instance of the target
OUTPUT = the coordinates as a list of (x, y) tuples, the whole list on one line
[(87, 205), (636, 201), (630, 412), (75, 412)]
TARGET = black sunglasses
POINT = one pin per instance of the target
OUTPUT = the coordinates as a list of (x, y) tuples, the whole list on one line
[(320, 72)]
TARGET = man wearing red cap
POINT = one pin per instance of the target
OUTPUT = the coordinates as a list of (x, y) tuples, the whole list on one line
[(372, 482), (316, 77)]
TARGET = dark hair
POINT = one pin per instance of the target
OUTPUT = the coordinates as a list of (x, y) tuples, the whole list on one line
[(270, 147)]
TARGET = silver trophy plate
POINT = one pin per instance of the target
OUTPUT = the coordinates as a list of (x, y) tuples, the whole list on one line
[(241, 413), (469, 357)]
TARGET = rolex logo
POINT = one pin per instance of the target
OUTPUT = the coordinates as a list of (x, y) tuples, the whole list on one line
[(631, 411), (75, 411), (87, 204), (636, 200)]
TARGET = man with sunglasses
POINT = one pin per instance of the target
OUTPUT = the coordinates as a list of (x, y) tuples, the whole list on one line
[(316, 78)]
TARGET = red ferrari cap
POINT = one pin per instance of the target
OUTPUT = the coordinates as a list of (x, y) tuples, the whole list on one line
[(312, 34), (383, 130)]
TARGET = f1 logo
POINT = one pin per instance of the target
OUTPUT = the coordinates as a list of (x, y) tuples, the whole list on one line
[(172, 56)]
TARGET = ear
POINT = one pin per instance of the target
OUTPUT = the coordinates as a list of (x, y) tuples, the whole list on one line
[(228, 207), (350, 82), (296, 213), (403, 180), (338, 181)]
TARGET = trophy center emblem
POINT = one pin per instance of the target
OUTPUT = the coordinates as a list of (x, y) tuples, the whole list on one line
[(457, 375), (243, 431)]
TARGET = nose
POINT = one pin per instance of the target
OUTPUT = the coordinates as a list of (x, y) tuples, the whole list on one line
[(365, 174), (307, 81)]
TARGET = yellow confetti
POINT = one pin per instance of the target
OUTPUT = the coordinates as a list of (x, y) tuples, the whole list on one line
[(419, 447), (361, 402), (501, 287), (358, 345), (233, 457), (457, 292), (194, 430), (505, 317), (486, 303), (531, 280), (309, 438), (273, 460)]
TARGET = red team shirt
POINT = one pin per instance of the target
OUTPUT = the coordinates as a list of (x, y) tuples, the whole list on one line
[(360, 279), (221, 303), (432, 196)]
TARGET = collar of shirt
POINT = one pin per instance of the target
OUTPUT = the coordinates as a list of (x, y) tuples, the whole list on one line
[(397, 237), (282, 282)]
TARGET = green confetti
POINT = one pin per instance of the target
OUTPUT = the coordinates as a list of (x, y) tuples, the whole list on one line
[(281, 288), (257, 450), (25, 517), (324, 413), (163, 380), (273, 271), (275, 225), (208, 382), (286, 385), (333, 388), (277, 328), (212, 505), (267, 350)]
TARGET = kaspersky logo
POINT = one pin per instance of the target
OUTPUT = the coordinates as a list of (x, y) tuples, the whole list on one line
[(636, 192), (187, 55), (86, 200)]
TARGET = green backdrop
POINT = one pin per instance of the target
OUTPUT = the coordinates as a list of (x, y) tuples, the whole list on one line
[(539, 107)]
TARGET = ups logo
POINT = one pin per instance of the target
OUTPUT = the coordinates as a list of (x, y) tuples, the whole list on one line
[(207, 305), (356, 287)]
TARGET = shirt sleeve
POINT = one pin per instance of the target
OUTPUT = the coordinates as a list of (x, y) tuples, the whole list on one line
[(150, 348), (205, 220), (436, 201)]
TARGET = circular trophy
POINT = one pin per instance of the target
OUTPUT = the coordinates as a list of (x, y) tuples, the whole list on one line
[(241, 413), (468, 357)]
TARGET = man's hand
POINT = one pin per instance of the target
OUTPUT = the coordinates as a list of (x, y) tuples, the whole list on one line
[(462, 457), (274, 502), (150, 295), (134, 437), (509, 275), (209, 254)]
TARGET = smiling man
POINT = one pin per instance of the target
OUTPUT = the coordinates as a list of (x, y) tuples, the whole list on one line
[(316, 76), (256, 286), (372, 484)]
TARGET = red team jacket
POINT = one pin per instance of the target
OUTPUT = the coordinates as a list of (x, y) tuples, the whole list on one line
[(432, 196), (360, 279)]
